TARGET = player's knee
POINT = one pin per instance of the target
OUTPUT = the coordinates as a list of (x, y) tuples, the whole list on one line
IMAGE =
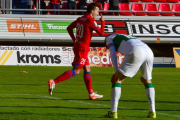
[(144, 81), (117, 77), (87, 68), (77, 71), (113, 80)]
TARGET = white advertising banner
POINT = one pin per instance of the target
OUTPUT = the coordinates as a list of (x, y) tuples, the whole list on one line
[(59, 56), (36, 55), (52, 56)]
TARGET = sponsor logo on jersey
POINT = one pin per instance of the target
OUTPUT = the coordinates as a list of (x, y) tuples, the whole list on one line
[(95, 23)]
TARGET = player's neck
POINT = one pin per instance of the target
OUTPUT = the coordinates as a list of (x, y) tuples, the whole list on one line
[(92, 16)]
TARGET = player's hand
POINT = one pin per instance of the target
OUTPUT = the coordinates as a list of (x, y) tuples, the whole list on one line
[(101, 18)]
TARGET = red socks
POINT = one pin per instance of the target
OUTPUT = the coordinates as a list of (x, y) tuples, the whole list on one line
[(65, 76), (88, 82), (71, 73)]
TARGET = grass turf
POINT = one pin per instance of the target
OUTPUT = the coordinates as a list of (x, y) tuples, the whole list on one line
[(24, 96)]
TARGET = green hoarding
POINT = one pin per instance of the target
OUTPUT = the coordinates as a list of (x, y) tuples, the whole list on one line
[(56, 26)]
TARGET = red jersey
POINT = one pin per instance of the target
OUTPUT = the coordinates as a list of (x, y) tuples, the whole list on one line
[(84, 27)]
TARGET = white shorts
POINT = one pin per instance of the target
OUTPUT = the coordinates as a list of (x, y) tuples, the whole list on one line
[(142, 58)]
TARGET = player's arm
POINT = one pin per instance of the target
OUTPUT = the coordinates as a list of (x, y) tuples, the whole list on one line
[(94, 26), (112, 51), (70, 30), (101, 30)]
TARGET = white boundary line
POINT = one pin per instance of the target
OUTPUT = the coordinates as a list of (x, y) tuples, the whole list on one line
[(86, 103), (106, 105)]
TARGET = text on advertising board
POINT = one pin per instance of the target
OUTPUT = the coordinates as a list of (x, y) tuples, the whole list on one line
[(55, 26), (23, 26)]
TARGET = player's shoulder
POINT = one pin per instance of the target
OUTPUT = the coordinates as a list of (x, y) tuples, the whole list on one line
[(89, 18), (83, 18)]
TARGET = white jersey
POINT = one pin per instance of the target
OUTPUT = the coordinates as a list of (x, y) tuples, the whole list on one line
[(124, 44)]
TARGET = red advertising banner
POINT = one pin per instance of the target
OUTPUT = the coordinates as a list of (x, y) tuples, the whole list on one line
[(100, 56)]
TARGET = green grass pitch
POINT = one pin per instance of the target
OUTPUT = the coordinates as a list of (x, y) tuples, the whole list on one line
[(24, 96)]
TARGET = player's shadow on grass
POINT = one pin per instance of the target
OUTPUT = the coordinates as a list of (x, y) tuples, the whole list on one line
[(147, 101), (55, 107), (20, 98), (25, 84), (46, 98), (43, 114)]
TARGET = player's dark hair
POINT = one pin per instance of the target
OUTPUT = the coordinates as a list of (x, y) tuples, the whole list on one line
[(92, 6)]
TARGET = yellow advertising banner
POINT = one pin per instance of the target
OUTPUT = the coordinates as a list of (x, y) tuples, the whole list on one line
[(176, 51)]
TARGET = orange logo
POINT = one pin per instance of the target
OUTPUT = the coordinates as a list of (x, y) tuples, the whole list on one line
[(23, 26)]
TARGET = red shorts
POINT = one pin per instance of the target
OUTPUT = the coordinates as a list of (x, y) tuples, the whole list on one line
[(80, 59)]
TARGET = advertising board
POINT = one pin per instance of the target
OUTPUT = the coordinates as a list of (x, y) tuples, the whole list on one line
[(55, 26), (23, 26), (52, 56), (176, 51)]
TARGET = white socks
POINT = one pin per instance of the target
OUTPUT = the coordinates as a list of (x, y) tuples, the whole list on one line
[(115, 96), (150, 93)]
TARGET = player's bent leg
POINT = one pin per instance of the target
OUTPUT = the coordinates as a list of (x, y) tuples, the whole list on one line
[(118, 76), (76, 70), (150, 94), (144, 81), (65, 76), (116, 81), (115, 96)]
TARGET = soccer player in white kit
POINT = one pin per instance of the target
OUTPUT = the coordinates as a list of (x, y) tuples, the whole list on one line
[(137, 55)]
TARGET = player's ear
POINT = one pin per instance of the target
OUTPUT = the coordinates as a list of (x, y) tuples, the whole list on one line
[(92, 11)]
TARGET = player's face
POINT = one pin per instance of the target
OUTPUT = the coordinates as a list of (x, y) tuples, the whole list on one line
[(95, 12)]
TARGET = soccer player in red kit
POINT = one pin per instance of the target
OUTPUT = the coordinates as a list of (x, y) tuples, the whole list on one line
[(84, 25)]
